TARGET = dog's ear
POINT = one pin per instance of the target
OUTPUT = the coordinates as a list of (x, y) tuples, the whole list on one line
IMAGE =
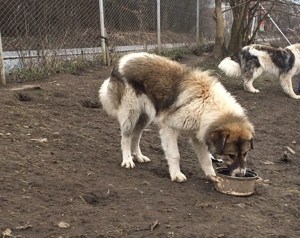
[(218, 139)]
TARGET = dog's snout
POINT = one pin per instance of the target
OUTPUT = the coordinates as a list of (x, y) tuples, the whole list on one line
[(238, 172), (239, 175)]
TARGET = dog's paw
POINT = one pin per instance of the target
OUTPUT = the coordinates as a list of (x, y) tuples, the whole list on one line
[(129, 164), (250, 88), (296, 97), (254, 90), (142, 159), (213, 178), (179, 177)]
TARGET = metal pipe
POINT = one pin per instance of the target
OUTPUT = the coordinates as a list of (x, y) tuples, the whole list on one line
[(274, 23), (158, 28), (2, 73), (252, 27), (197, 24), (102, 32)]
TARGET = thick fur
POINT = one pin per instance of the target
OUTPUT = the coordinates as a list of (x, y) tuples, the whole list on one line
[(182, 101), (253, 60)]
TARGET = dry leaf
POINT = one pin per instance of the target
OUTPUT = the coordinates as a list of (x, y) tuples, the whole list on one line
[(268, 162), (6, 233), (290, 150), (42, 140), (153, 225), (27, 226), (241, 205), (63, 224)]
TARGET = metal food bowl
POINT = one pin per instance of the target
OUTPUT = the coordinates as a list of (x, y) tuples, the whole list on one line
[(237, 186)]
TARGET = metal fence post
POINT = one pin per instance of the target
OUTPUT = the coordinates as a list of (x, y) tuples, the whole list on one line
[(197, 24), (158, 28), (2, 73), (102, 32)]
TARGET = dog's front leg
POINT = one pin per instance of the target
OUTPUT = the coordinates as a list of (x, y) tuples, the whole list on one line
[(170, 146), (204, 157)]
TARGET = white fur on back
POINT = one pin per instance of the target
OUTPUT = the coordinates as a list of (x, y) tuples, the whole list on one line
[(230, 67)]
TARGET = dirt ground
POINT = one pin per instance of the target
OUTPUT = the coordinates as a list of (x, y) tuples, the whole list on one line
[(61, 175)]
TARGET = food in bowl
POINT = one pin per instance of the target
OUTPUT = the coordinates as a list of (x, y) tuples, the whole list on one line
[(238, 186)]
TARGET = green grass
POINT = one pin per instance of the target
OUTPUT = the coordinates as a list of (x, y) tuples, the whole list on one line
[(175, 53)]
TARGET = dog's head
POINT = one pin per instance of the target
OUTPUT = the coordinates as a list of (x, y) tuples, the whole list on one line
[(232, 142)]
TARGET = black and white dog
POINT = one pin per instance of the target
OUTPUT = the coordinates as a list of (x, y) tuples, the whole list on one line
[(253, 60)]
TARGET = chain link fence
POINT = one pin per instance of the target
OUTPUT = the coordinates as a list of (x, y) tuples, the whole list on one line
[(36, 32), (134, 23)]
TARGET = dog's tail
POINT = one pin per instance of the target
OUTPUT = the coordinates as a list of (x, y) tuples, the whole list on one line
[(108, 97), (230, 67)]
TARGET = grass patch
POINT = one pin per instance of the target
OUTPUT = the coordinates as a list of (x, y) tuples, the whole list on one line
[(35, 71), (175, 54), (295, 191)]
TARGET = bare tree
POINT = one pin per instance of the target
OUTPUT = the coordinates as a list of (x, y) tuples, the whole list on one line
[(219, 39), (248, 17)]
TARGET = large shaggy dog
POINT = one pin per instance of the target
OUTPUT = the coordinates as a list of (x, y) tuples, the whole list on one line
[(181, 101), (253, 60)]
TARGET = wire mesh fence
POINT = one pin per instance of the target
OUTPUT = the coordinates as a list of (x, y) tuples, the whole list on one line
[(46, 24), (134, 23), (37, 32), (45, 30)]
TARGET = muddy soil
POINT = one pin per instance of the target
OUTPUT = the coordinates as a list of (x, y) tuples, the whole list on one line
[(61, 175)]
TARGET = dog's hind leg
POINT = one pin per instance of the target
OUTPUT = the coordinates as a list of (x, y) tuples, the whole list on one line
[(204, 157), (170, 146), (286, 84), (141, 124), (127, 161), (249, 79), (127, 119), (248, 85)]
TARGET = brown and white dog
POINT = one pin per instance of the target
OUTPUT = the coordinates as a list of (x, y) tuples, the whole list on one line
[(181, 101), (253, 60)]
